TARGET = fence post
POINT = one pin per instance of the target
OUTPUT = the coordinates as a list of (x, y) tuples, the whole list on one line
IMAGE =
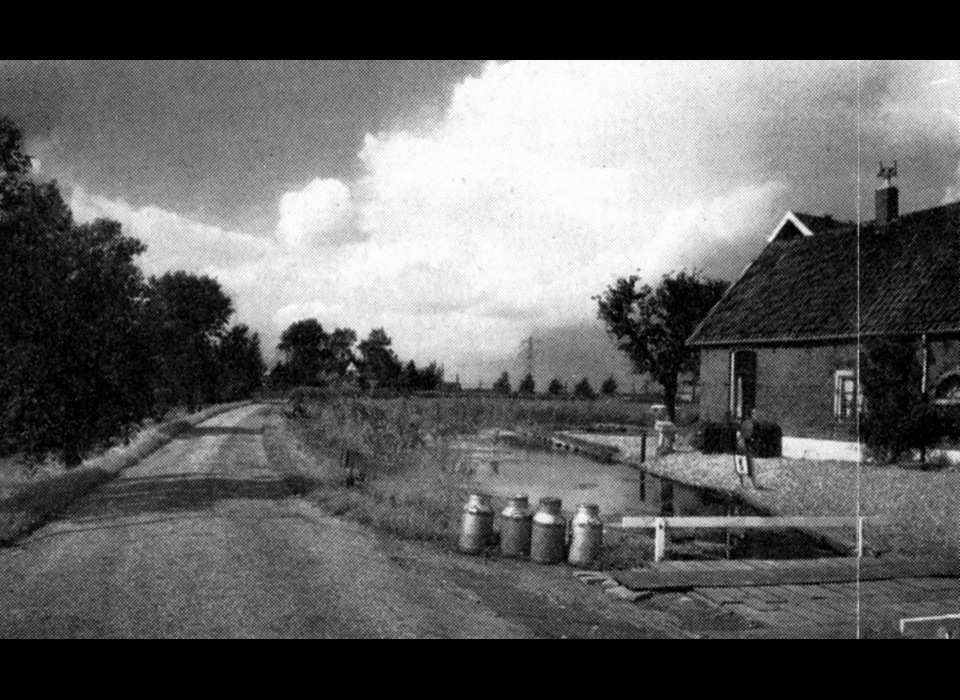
[(859, 537), (659, 539), (643, 447)]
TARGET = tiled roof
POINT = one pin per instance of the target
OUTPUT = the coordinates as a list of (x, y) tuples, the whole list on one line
[(807, 288)]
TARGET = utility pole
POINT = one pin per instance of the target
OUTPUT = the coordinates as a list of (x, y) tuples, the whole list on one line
[(527, 354)]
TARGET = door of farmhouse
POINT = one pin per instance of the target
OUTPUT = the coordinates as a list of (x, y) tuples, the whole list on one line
[(743, 383)]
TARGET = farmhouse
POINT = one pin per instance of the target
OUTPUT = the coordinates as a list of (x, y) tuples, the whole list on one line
[(784, 338)]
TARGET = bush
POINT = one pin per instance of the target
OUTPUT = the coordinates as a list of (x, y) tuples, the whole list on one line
[(897, 419), (767, 440), (716, 438), (721, 438)]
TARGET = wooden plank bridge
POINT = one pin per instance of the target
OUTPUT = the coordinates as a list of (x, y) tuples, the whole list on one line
[(836, 597)]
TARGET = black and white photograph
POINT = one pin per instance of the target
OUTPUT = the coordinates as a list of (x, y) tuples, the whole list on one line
[(461, 349)]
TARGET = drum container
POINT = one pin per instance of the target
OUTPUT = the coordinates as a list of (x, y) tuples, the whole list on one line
[(587, 536), (516, 523), (476, 528), (548, 534)]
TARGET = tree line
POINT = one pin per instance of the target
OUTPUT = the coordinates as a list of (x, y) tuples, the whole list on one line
[(528, 387), (315, 357), (89, 346)]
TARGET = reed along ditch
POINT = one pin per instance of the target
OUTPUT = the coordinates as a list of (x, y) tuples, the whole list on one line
[(510, 464)]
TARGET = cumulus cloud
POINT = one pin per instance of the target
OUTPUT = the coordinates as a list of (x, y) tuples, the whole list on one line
[(544, 181), (321, 213), (173, 241)]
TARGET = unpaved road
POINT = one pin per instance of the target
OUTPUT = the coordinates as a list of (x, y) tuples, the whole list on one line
[(203, 539)]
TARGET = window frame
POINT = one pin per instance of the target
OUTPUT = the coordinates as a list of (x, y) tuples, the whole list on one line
[(855, 404)]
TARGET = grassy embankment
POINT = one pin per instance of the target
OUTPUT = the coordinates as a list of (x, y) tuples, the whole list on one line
[(415, 484), (31, 496)]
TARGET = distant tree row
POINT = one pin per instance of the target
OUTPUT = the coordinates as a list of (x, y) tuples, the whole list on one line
[(528, 387), (316, 357), (89, 347)]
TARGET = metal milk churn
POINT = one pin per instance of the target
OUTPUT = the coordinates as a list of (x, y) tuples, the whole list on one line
[(548, 535), (516, 523), (476, 528), (587, 536)]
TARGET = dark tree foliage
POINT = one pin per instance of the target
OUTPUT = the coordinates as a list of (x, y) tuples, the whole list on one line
[(306, 345), (378, 363), (527, 386), (502, 385), (188, 317), (278, 377), (651, 325), (72, 346), (556, 387), (429, 378), (240, 364), (897, 418), (409, 379), (338, 356), (583, 390), (609, 387)]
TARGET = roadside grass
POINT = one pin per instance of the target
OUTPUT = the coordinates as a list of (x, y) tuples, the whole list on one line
[(33, 498), (414, 484)]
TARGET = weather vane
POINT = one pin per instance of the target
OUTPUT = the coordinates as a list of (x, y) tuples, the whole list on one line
[(887, 173)]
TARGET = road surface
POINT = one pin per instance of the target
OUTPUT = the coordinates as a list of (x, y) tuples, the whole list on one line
[(203, 539)]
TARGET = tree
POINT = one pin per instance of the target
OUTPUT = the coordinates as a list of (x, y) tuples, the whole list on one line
[(378, 363), (409, 379), (240, 364), (651, 325), (430, 377), (188, 314), (897, 417), (609, 387), (502, 385), (73, 350), (556, 387), (338, 356), (527, 387), (306, 345), (583, 390)]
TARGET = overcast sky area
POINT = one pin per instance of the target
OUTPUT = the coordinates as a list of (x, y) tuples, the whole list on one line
[(465, 205)]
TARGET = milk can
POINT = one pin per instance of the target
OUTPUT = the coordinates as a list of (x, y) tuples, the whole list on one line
[(516, 522), (476, 528), (587, 536), (548, 533)]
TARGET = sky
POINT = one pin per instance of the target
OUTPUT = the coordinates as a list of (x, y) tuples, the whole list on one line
[(467, 205)]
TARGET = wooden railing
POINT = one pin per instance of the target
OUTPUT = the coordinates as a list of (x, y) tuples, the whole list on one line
[(660, 525)]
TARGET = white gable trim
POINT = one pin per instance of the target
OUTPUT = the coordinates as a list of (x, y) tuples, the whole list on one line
[(792, 218)]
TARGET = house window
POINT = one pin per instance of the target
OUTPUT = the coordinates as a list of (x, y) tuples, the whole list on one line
[(845, 395)]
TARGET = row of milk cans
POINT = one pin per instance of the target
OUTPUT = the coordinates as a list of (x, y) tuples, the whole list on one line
[(543, 536)]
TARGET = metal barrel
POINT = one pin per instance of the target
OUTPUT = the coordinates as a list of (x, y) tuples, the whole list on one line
[(587, 538), (548, 534), (516, 523), (476, 528)]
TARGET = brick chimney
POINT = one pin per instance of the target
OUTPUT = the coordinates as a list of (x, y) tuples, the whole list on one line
[(887, 195)]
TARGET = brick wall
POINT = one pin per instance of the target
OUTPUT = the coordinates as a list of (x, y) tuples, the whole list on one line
[(795, 385), (795, 388)]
